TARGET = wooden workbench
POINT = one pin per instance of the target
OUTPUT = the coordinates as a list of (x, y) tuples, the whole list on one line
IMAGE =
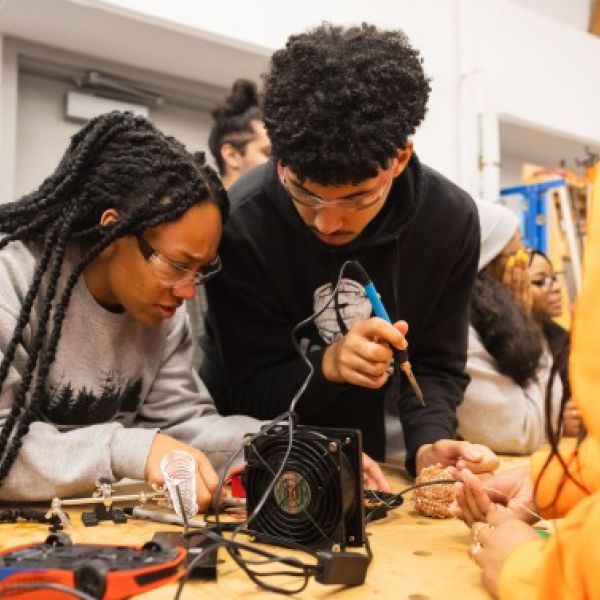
[(415, 558)]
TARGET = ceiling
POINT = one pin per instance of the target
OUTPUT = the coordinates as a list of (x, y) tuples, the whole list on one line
[(113, 34), (524, 143)]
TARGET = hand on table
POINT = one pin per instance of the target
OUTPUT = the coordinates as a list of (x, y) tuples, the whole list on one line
[(492, 543), (460, 454), (206, 478), (373, 477), (363, 355)]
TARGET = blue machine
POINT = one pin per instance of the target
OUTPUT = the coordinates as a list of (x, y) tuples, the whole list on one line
[(534, 211)]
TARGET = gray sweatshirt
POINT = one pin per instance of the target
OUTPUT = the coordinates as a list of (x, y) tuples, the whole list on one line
[(497, 411), (113, 385)]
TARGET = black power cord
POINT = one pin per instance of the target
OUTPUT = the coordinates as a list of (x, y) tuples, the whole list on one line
[(340, 568), (289, 417), (389, 502), (344, 568)]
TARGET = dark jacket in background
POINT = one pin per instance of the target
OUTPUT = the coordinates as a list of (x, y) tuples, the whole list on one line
[(421, 252)]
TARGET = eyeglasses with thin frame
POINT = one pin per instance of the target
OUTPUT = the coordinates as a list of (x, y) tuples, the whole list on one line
[(546, 280), (171, 274), (358, 203)]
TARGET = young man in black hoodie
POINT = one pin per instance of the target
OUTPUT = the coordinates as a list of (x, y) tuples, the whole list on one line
[(344, 184)]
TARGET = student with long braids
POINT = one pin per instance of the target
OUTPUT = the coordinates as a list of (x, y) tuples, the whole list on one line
[(95, 376), (562, 482)]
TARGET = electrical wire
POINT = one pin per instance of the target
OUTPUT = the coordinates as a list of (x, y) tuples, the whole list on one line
[(57, 587), (190, 566), (235, 546), (297, 396), (305, 570), (391, 502), (548, 524), (287, 418)]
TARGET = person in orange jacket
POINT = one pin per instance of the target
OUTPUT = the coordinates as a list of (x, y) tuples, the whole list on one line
[(518, 564)]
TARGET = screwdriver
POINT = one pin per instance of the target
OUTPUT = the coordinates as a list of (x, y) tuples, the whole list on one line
[(379, 310)]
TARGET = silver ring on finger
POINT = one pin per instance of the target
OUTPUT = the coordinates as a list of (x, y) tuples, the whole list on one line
[(474, 550), (478, 526)]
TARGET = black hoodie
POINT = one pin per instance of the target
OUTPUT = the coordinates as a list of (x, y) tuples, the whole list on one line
[(421, 253)]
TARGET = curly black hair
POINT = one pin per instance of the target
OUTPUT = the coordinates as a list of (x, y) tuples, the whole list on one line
[(116, 161), (507, 332), (233, 120), (340, 102)]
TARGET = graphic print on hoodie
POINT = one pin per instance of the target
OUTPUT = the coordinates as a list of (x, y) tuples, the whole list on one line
[(64, 405), (350, 306)]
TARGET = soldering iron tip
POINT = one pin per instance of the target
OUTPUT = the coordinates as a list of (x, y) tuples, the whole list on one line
[(407, 369)]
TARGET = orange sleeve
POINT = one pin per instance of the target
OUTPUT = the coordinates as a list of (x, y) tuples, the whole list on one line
[(589, 556), (556, 492), (520, 572)]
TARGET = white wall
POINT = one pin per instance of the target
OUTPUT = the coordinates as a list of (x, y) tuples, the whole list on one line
[(8, 111), (540, 72), (43, 133), (537, 77), (270, 22), (430, 24), (575, 13), (107, 31), (528, 61), (490, 60)]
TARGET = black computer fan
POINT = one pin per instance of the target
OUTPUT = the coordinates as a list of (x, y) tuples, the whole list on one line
[(317, 499)]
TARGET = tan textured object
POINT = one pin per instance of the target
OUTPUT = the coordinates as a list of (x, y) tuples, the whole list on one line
[(433, 500)]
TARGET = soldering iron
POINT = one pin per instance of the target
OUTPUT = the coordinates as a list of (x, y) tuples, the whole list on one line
[(401, 356)]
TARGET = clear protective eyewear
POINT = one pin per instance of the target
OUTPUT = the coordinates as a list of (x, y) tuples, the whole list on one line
[(357, 203), (546, 281), (171, 274)]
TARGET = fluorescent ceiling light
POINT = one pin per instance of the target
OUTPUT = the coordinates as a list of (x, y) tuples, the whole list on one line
[(83, 107), (120, 89)]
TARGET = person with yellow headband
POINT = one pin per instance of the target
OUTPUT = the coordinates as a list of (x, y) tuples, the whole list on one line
[(509, 361)]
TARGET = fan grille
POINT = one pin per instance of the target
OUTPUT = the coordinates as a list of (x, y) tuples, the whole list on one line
[(308, 503)]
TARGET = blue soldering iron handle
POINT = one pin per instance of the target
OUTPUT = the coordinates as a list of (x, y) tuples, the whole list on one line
[(376, 303), (379, 310)]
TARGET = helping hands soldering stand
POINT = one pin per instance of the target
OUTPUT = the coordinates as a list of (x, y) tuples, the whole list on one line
[(103, 498), (401, 356), (105, 511)]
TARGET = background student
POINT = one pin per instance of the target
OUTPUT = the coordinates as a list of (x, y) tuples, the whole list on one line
[(508, 359), (238, 142), (547, 305), (238, 139)]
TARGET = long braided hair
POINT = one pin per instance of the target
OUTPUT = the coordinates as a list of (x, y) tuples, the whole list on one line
[(116, 161)]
